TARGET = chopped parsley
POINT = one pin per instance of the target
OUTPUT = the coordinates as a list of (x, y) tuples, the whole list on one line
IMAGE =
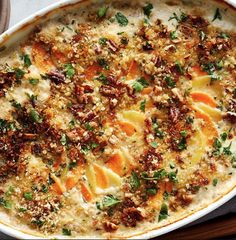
[(148, 9), (19, 73), (170, 82), (158, 175), (154, 144), (33, 81), (102, 78), (88, 126), (173, 35), (163, 212), (35, 117), (107, 202), (69, 70), (182, 144), (102, 11), (224, 35), (143, 105), (179, 67), (217, 15), (5, 203), (28, 196), (227, 151), (103, 63), (27, 61), (140, 84), (183, 17), (121, 19), (223, 136), (214, 182), (151, 191), (103, 41), (66, 232), (134, 181)]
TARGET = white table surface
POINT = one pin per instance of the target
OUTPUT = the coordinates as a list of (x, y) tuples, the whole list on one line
[(23, 8)]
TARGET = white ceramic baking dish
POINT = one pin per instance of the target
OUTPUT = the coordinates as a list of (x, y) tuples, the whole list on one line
[(21, 30)]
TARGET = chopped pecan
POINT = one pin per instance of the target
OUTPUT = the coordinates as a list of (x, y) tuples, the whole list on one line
[(174, 114), (230, 116), (130, 216), (56, 77), (112, 45), (110, 226)]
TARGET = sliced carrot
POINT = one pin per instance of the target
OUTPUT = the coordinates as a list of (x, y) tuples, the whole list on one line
[(204, 98), (92, 71), (41, 57), (208, 128), (70, 182), (115, 163), (133, 71), (128, 128), (197, 71), (57, 188), (57, 163), (59, 56), (101, 178), (168, 186), (146, 90), (86, 193)]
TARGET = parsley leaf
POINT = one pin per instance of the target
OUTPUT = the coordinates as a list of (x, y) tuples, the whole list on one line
[(27, 61), (107, 202), (143, 105), (121, 19), (170, 82), (69, 69), (217, 15), (33, 81), (66, 232), (173, 35), (134, 181), (148, 9), (163, 212), (28, 196), (102, 11), (35, 117)]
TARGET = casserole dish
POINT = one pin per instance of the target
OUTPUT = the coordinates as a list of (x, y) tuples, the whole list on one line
[(221, 194)]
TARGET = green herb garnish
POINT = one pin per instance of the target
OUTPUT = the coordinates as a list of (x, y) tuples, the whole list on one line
[(102, 12), (148, 9), (217, 15), (163, 212), (121, 19), (28, 196), (134, 181)]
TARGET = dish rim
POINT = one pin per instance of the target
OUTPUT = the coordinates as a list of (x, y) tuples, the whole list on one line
[(31, 21)]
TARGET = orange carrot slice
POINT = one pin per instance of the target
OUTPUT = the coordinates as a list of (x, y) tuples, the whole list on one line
[(208, 128), (56, 187), (128, 128), (70, 182), (41, 57), (101, 178), (146, 90), (133, 71), (204, 98), (86, 193), (92, 71), (115, 163)]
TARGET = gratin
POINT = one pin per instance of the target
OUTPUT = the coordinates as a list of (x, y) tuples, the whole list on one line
[(118, 118)]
